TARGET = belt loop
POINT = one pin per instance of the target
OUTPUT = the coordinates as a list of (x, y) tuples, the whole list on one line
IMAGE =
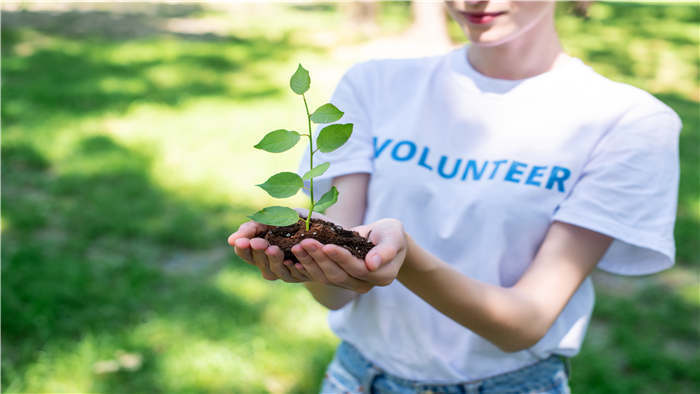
[(369, 378), (567, 365), (472, 388)]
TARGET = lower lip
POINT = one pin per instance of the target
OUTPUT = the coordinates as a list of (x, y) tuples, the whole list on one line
[(482, 19)]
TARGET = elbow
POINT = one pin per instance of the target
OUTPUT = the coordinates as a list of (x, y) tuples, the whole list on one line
[(522, 331), (334, 306), (521, 340), (517, 345), (331, 303)]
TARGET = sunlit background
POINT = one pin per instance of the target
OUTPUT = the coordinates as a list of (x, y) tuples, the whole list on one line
[(127, 159)]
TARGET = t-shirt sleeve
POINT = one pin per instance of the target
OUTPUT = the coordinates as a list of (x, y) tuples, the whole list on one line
[(352, 96), (628, 190)]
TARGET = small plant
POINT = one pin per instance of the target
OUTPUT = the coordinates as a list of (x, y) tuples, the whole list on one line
[(287, 184)]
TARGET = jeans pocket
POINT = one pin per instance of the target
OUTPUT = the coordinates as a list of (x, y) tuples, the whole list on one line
[(338, 380)]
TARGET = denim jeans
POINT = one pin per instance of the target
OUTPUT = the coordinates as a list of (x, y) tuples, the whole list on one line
[(350, 372)]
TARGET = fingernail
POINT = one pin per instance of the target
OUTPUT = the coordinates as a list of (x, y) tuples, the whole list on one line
[(312, 247)]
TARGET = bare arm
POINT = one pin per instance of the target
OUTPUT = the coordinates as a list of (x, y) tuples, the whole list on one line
[(512, 318), (349, 211)]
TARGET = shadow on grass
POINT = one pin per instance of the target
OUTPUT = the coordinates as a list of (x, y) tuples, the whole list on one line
[(639, 343), (630, 12), (639, 36), (84, 254), (687, 221), (89, 62), (92, 246), (84, 82), (115, 21)]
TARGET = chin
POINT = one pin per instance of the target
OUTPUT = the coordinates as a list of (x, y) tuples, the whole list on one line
[(480, 40), (482, 43), (490, 39)]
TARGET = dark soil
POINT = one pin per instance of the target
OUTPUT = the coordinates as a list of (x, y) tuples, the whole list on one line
[(324, 232)]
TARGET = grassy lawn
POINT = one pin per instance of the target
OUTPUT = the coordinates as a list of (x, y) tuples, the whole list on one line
[(126, 161)]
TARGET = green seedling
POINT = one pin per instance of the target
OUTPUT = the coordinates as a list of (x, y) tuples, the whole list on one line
[(287, 184)]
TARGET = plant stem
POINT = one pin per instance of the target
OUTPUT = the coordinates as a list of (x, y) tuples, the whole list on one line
[(311, 164)]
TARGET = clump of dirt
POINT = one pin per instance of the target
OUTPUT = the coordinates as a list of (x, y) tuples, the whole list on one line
[(324, 232)]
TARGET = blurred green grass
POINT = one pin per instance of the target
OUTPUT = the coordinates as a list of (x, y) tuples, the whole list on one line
[(126, 162)]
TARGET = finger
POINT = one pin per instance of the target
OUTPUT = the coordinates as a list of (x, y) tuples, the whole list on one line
[(258, 246), (381, 254), (246, 230), (349, 263), (275, 257), (340, 277), (296, 273), (242, 249), (331, 270), (309, 266), (313, 248), (299, 267), (333, 273), (346, 261)]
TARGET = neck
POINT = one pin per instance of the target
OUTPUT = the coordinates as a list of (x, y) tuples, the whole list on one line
[(532, 52)]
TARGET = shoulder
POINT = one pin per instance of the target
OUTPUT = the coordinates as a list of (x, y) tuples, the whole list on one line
[(632, 123), (378, 82), (398, 64), (382, 71), (620, 101)]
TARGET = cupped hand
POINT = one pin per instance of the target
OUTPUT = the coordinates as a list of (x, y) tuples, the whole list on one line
[(321, 263), (332, 264), (327, 264), (268, 258)]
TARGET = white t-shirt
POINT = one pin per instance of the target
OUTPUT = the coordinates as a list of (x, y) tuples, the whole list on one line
[(477, 169)]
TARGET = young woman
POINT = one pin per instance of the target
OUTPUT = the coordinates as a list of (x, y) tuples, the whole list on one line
[(492, 179)]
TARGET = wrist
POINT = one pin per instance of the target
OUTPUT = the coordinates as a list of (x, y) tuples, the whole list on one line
[(416, 261)]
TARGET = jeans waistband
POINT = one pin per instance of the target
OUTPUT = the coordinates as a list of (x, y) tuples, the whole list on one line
[(367, 372)]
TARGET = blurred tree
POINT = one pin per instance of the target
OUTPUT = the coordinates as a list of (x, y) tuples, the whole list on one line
[(430, 22), (580, 8), (363, 14)]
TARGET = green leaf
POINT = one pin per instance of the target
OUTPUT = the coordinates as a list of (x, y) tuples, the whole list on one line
[(326, 113), (326, 200), (278, 141), (300, 81), (333, 137), (284, 184), (316, 171), (276, 216)]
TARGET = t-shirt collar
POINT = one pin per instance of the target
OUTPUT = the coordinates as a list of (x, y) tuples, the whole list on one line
[(461, 65)]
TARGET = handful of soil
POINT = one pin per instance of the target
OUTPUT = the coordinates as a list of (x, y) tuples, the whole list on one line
[(324, 232)]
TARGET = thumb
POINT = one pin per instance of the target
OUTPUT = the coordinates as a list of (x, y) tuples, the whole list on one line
[(246, 230), (381, 254)]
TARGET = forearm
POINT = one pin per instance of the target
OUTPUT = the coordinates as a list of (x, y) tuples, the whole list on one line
[(503, 316), (331, 297)]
